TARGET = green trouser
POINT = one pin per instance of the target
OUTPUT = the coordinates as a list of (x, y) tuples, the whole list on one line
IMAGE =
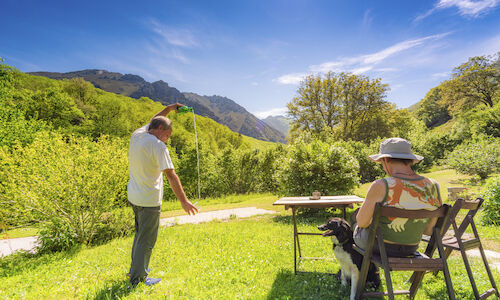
[(147, 221)]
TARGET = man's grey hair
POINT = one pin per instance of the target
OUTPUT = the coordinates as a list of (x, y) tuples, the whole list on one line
[(160, 122)]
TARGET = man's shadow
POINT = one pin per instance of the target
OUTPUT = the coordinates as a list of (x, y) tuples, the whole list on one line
[(117, 290)]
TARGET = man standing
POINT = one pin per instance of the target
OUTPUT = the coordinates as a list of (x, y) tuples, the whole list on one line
[(148, 160)]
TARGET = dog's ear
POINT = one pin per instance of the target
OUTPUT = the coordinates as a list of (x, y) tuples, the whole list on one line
[(346, 226), (345, 232)]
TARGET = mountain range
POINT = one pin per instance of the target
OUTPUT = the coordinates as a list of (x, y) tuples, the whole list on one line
[(220, 109), (281, 123)]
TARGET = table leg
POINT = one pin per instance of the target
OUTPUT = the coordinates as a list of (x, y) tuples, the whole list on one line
[(344, 208), (296, 243)]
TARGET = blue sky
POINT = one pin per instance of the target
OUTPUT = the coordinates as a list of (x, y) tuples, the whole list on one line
[(253, 52)]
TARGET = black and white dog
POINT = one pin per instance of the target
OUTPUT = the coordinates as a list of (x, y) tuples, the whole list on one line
[(349, 259)]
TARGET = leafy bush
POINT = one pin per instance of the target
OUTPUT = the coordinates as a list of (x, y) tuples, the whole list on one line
[(368, 169), (237, 171), (317, 166), (433, 146), (480, 157), (56, 236), (187, 169), (15, 128), (268, 166), (118, 222), (64, 183), (491, 206)]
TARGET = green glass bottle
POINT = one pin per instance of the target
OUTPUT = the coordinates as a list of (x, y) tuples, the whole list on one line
[(184, 109)]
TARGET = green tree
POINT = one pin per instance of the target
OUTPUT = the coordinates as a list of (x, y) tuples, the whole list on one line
[(475, 82), (432, 110), (317, 166), (352, 106)]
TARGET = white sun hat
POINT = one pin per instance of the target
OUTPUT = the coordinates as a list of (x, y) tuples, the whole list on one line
[(396, 148)]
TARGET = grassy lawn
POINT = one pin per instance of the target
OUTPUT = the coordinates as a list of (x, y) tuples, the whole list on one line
[(249, 259)]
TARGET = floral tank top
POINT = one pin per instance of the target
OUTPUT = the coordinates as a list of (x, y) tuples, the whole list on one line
[(411, 194)]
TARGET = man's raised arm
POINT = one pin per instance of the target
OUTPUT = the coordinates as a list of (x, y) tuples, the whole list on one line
[(168, 109)]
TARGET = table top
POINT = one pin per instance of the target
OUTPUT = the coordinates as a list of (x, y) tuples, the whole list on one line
[(323, 201)]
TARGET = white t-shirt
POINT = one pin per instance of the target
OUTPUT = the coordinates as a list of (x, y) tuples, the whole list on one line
[(148, 157)]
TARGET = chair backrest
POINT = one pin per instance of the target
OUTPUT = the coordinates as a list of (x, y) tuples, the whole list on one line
[(441, 213), (471, 205)]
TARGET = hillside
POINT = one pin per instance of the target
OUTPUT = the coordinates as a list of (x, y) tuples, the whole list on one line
[(236, 117), (220, 109), (281, 123)]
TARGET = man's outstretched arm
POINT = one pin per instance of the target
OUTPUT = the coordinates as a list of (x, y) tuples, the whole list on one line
[(176, 186)]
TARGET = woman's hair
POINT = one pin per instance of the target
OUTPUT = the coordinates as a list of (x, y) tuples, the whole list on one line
[(160, 122), (407, 162)]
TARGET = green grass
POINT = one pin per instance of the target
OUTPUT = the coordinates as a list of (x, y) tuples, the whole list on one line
[(238, 259), (18, 233)]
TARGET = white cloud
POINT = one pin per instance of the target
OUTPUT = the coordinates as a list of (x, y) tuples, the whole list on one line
[(255, 83), (441, 75), (362, 63), (294, 78), (383, 70), (175, 36), (272, 112), (361, 70), (367, 18), (163, 51), (467, 8)]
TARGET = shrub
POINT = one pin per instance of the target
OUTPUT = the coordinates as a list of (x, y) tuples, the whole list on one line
[(491, 206), (480, 157), (237, 171), (56, 236), (317, 166), (64, 183), (14, 127), (187, 169), (268, 166), (116, 223), (368, 169)]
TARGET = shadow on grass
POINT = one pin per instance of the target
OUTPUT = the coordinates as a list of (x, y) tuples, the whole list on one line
[(117, 290), (21, 262), (312, 218), (312, 285)]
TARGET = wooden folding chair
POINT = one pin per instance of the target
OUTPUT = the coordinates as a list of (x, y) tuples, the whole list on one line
[(419, 262), (462, 243)]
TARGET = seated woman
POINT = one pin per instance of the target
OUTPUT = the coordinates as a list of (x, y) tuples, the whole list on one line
[(402, 189)]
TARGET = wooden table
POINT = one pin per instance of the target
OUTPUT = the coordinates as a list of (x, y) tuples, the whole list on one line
[(294, 203)]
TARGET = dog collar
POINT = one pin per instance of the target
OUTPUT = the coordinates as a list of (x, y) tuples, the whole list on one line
[(341, 244)]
